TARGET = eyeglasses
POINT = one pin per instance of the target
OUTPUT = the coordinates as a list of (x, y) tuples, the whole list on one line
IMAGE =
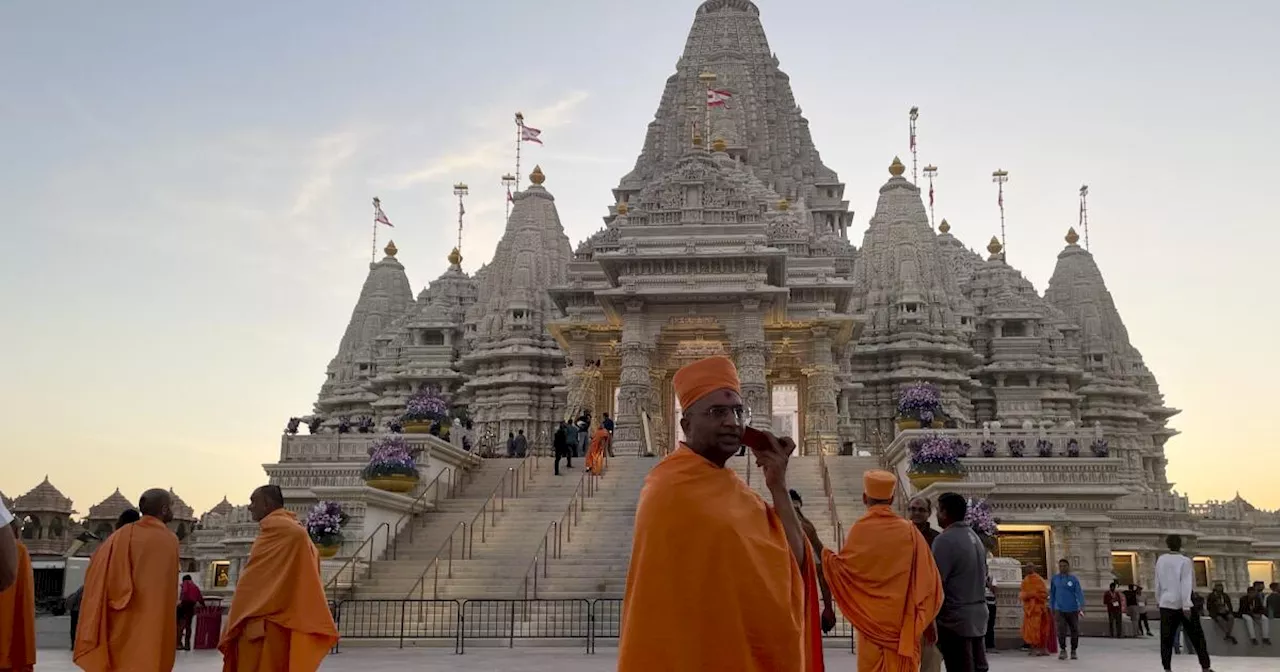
[(740, 414)]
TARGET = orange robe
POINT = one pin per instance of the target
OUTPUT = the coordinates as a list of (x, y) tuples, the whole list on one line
[(280, 619), (713, 584), (18, 617), (595, 454), (128, 615), (1037, 625), (888, 587)]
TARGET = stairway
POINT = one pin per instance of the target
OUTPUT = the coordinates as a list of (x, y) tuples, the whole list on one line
[(846, 486)]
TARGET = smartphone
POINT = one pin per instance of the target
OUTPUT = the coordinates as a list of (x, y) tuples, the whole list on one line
[(755, 439)]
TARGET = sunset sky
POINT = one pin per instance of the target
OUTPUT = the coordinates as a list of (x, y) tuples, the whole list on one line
[(186, 190)]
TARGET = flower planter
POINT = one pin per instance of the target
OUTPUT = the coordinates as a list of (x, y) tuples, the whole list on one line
[(417, 426), (922, 481), (393, 482), (328, 550), (908, 423)]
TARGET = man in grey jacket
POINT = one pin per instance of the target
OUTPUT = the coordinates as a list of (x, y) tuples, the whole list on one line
[(962, 563)]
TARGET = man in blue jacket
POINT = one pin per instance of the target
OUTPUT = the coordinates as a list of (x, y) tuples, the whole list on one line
[(1066, 599)]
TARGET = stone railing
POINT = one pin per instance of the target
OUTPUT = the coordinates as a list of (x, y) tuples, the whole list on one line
[(1060, 439), (318, 448), (1218, 511), (1154, 501)]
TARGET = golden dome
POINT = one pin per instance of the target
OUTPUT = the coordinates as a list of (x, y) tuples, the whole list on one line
[(719, 145), (994, 246), (784, 205), (622, 207), (944, 226), (536, 176), (391, 249), (455, 257), (896, 168), (1072, 236)]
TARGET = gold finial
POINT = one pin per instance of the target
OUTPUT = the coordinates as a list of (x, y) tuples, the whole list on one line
[(1072, 236), (622, 207), (697, 139), (944, 226), (391, 249), (455, 257), (536, 176), (784, 205), (994, 246), (896, 168), (719, 145)]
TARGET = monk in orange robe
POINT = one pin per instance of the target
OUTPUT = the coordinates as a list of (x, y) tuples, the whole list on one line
[(1037, 621), (719, 579), (599, 446), (18, 614), (280, 619), (128, 614), (885, 582)]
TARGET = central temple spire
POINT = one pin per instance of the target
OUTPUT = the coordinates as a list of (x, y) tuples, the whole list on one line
[(759, 121)]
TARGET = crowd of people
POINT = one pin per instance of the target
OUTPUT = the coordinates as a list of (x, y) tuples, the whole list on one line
[(132, 613)]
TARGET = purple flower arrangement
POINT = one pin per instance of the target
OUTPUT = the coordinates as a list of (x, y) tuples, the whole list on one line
[(961, 448), (1017, 447), (364, 424), (391, 455), (980, 519), (292, 428), (1044, 447), (1100, 448), (920, 401), (314, 424), (935, 454), (1073, 448), (426, 405), (988, 448), (344, 426), (395, 426), (324, 523)]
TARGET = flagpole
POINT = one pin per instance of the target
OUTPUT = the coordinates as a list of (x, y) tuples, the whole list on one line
[(519, 141), (929, 171), (373, 249), (708, 79), (1084, 213), (508, 181), (460, 190), (913, 115), (1000, 177)]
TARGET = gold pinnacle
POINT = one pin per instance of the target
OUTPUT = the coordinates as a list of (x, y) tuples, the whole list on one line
[(1072, 236), (944, 227), (896, 168), (391, 249), (537, 177), (994, 246)]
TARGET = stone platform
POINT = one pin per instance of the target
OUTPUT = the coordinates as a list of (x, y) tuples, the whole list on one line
[(1095, 654)]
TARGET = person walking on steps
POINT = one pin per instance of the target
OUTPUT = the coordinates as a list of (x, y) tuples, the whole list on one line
[(560, 443)]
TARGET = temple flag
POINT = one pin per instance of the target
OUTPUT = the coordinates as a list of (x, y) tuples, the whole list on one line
[(530, 134), (717, 98), (930, 194), (380, 217)]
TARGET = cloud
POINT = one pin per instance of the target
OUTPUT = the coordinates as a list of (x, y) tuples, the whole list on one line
[(332, 153), (486, 152)]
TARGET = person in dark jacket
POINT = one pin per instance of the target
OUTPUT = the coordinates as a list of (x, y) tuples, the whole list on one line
[(560, 443)]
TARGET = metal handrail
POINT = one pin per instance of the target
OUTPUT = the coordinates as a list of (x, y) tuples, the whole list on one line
[(351, 561), (512, 478), (831, 499), (455, 478), (515, 478), (563, 528)]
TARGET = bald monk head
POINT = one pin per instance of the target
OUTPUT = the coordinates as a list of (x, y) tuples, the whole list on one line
[(264, 500), (128, 516), (712, 414), (157, 503)]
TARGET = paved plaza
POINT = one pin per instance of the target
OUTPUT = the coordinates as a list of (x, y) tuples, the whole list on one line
[(1095, 655)]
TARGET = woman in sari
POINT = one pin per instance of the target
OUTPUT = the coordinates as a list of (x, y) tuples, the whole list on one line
[(1037, 620), (597, 451)]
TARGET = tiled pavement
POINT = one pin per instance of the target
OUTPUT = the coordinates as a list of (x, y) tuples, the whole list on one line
[(1096, 654)]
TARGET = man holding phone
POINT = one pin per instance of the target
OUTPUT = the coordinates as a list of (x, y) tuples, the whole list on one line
[(719, 579)]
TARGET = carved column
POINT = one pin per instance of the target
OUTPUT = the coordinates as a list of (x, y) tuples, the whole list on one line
[(752, 359), (821, 408), (633, 383), (657, 412)]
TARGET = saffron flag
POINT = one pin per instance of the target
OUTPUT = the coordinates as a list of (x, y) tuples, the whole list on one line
[(509, 199), (931, 195), (1000, 199), (380, 217), (530, 134), (913, 141), (717, 98)]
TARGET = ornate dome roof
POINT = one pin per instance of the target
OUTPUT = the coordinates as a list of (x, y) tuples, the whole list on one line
[(110, 508), (44, 498), (181, 511), (222, 508)]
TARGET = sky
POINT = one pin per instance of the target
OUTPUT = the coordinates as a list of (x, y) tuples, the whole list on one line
[(185, 190)]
